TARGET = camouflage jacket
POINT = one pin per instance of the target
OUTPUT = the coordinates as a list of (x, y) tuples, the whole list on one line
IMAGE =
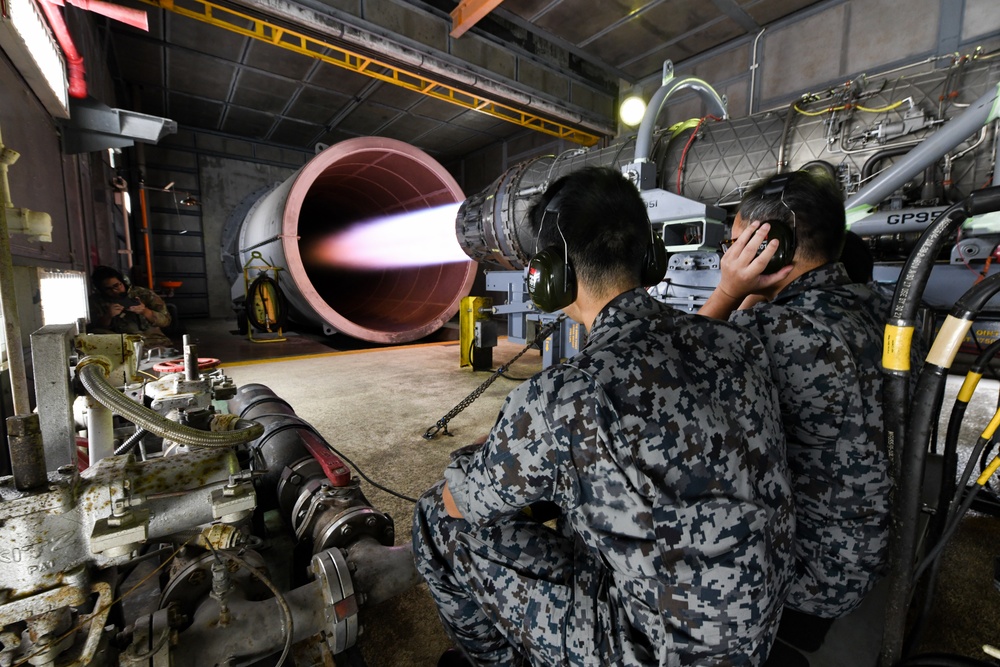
[(128, 322), (660, 443), (824, 337)]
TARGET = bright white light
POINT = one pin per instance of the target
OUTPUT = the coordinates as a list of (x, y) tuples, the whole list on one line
[(127, 201), (30, 28), (418, 238), (64, 296), (632, 110)]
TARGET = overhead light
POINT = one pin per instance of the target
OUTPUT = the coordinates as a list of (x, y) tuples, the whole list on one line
[(632, 110), (27, 41), (190, 201)]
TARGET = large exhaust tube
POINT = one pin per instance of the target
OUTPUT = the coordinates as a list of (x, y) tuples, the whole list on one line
[(353, 181)]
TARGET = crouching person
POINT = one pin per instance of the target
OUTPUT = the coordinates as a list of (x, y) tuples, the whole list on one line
[(658, 446)]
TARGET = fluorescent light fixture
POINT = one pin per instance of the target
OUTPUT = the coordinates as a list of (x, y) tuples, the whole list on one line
[(632, 110), (25, 38), (63, 295)]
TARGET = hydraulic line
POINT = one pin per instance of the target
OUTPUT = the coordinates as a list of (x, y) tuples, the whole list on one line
[(950, 456), (93, 372), (907, 454)]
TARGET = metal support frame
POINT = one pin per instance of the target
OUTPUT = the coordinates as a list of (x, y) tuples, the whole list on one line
[(50, 353), (339, 56)]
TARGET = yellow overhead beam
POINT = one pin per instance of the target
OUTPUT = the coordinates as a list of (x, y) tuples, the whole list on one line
[(339, 56), (468, 13)]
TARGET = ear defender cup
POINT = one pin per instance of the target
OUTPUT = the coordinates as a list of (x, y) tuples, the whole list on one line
[(551, 281), (782, 231), (654, 264)]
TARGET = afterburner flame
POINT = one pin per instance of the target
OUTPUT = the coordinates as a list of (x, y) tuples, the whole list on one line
[(417, 238)]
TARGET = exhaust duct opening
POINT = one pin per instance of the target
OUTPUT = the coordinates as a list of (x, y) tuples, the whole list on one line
[(350, 182)]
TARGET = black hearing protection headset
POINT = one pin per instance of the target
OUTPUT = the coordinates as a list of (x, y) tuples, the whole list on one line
[(551, 279), (780, 229)]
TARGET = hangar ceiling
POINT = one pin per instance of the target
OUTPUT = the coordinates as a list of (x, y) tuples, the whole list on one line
[(299, 74)]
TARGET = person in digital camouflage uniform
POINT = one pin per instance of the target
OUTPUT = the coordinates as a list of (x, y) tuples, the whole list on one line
[(660, 449), (823, 334), (111, 310)]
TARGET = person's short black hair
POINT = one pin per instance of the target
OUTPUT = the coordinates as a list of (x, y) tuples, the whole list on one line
[(102, 273), (857, 258), (604, 222), (820, 222)]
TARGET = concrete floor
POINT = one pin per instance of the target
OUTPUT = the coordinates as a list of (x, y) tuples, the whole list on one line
[(375, 402)]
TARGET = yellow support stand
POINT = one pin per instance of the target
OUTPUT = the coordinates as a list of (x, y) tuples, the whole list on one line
[(474, 318), (266, 302)]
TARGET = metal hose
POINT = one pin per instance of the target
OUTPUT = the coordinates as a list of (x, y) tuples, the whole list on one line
[(93, 372)]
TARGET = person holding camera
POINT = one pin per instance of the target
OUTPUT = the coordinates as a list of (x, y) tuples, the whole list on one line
[(117, 307)]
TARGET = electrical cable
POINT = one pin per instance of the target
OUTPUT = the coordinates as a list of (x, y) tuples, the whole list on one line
[(687, 146)]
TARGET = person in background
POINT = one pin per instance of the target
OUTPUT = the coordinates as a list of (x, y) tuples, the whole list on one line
[(822, 331), (657, 454), (117, 307)]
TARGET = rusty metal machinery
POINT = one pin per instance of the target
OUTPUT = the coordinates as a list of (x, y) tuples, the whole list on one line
[(155, 551)]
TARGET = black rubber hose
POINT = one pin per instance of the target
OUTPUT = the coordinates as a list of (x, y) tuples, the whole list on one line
[(949, 467), (869, 166), (905, 502), (895, 412)]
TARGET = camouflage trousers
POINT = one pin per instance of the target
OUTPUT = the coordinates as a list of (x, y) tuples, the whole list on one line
[(506, 592)]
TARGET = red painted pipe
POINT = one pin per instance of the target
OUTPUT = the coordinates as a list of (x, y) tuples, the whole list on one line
[(74, 61)]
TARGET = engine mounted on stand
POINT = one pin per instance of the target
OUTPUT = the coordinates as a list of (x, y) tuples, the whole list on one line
[(194, 532)]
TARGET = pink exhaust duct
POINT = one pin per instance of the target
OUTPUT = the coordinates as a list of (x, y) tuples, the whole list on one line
[(378, 297)]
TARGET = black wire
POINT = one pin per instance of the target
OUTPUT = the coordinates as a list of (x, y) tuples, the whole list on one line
[(704, 288), (511, 377), (949, 531), (312, 429)]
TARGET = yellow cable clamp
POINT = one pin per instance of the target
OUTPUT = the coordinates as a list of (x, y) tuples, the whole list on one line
[(991, 428), (969, 386), (990, 469), (896, 347)]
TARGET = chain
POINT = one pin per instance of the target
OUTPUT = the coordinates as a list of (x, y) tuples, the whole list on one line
[(442, 424)]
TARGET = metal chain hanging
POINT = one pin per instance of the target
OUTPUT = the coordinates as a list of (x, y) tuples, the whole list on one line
[(442, 423)]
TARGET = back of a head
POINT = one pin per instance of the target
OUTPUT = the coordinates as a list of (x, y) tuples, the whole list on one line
[(818, 205), (603, 222), (857, 258)]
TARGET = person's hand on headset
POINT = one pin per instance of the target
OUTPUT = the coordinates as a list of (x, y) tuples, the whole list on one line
[(743, 273), (743, 269)]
